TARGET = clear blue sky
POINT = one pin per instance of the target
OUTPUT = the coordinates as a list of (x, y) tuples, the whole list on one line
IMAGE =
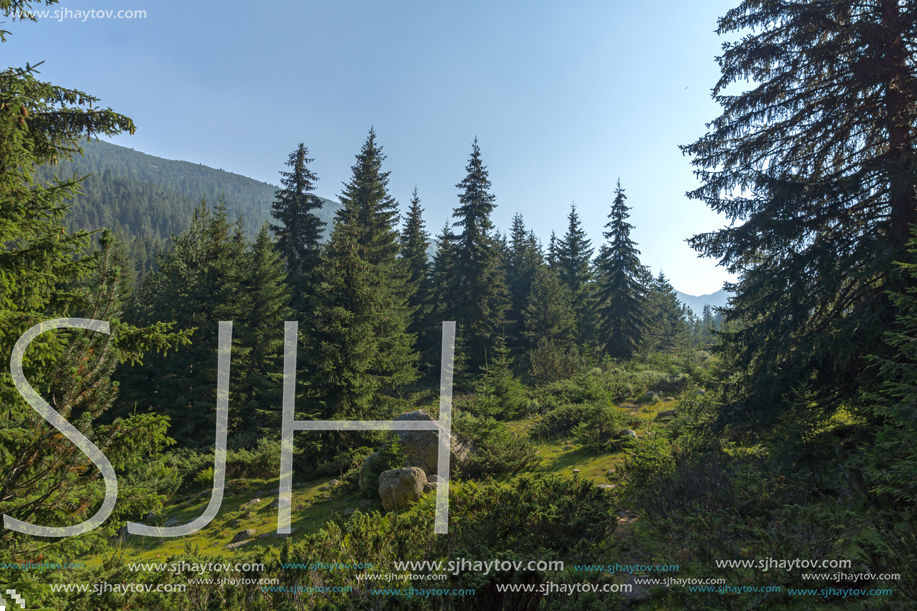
[(564, 98)]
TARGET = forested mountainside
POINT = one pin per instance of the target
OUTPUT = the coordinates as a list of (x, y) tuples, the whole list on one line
[(146, 199)]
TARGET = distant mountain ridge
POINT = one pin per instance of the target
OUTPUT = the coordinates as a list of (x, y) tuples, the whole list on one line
[(697, 302), (146, 199)]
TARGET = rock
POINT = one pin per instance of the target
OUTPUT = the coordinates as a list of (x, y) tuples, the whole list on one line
[(242, 535), (576, 470), (335, 483), (234, 523), (629, 433), (398, 488), (172, 521), (610, 472), (627, 406), (365, 504), (236, 544), (251, 502), (649, 394), (421, 448), (605, 486), (638, 591), (349, 512), (428, 487), (667, 399), (325, 495), (274, 504), (368, 465), (433, 478), (666, 413), (700, 392)]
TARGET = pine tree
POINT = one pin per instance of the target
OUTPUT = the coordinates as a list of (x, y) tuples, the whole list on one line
[(666, 324), (267, 299), (815, 167), (522, 261), (358, 346), (299, 233), (198, 284), (46, 273), (415, 240), (549, 312), (574, 268), (621, 290), (481, 300)]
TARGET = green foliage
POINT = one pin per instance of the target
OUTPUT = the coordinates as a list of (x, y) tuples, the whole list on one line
[(300, 230), (479, 300), (497, 450), (499, 393), (600, 428), (574, 269), (649, 461), (621, 291)]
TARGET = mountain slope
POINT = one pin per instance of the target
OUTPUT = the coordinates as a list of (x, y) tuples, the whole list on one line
[(696, 303), (146, 199)]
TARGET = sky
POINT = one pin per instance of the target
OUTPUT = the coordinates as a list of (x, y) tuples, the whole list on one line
[(564, 99)]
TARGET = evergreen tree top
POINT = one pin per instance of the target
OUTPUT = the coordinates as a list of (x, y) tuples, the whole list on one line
[(475, 200)]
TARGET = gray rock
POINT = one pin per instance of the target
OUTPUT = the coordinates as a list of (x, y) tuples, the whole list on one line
[(421, 448), (638, 591), (667, 399), (172, 522), (325, 495), (335, 483), (666, 413), (605, 486), (629, 433), (576, 470), (398, 488), (368, 465), (274, 504), (349, 512), (429, 487), (627, 406), (248, 533), (433, 478), (366, 504), (251, 502), (700, 392), (234, 523)]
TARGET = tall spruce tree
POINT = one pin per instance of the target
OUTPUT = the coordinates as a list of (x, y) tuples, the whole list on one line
[(621, 286), (574, 268), (666, 324), (522, 261), (415, 240), (481, 299), (299, 232), (816, 165), (358, 346)]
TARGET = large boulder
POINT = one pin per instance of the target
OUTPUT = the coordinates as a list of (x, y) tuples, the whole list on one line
[(421, 448), (399, 488)]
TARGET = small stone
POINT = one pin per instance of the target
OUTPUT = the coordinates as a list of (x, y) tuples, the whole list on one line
[(349, 512), (248, 533), (325, 495), (365, 504), (605, 486), (335, 483), (669, 399), (172, 521), (576, 470), (274, 504), (429, 487)]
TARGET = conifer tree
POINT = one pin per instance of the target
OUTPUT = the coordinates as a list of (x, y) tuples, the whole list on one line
[(574, 268), (481, 300), (198, 284), (415, 240), (267, 306), (522, 261), (549, 312), (666, 325), (358, 346), (299, 232), (815, 167), (621, 290)]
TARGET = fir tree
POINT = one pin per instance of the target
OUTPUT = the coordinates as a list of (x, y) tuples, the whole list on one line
[(522, 261), (621, 290), (549, 312), (415, 240), (299, 233), (815, 168), (481, 300), (358, 348), (267, 306), (666, 324), (574, 268)]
